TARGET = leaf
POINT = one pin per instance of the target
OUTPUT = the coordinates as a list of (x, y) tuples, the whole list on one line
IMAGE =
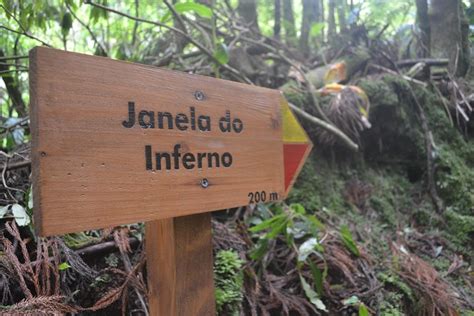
[(349, 241), (316, 222), (312, 295), (66, 23), (64, 266), (4, 210), (363, 310), (307, 248), (316, 29), (298, 208), (266, 224), (19, 212), (200, 9), (353, 300), (318, 277), (260, 251), (222, 54)]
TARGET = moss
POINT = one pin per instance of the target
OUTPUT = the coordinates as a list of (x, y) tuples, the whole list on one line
[(228, 278), (319, 186)]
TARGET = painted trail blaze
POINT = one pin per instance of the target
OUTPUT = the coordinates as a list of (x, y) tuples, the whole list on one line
[(296, 145)]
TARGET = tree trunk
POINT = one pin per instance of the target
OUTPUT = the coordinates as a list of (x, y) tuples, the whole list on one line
[(331, 20), (446, 36), (423, 22), (289, 22), (341, 15), (248, 11), (277, 25), (311, 15)]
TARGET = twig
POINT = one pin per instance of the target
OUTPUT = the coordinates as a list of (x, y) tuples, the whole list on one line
[(207, 52), (378, 67), (427, 61), (88, 29), (329, 127), (104, 247), (4, 58), (23, 30)]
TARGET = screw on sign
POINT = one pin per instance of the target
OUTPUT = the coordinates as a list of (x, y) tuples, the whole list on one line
[(116, 143)]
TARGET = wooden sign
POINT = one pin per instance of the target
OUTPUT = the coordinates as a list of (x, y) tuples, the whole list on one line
[(116, 143)]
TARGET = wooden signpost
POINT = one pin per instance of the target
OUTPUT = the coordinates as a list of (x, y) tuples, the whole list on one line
[(116, 143)]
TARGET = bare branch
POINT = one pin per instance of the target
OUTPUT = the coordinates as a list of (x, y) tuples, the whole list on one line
[(88, 29), (329, 127), (203, 49)]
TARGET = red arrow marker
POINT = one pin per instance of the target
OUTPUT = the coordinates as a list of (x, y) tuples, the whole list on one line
[(296, 145)]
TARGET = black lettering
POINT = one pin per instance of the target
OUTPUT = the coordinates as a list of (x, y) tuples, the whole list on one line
[(204, 119), (181, 122), (151, 119), (224, 122), (148, 162), (188, 161), (201, 156), (176, 154), (237, 125), (167, 157), (131, 116), (209, 159), (193, 118), (168, 115), (226, 159)]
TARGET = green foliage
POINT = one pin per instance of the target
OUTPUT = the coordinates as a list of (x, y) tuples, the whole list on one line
[(348, 241), (228, 278)]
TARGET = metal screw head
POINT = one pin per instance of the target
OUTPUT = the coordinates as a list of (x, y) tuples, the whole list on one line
[(199, 95), (205, 183)]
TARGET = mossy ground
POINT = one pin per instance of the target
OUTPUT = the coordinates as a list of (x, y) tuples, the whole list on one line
[(382, 191)]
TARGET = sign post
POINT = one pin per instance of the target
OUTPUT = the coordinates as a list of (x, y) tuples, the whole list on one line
[(116, 143)]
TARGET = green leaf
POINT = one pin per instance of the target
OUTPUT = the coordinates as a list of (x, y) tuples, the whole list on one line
[(19, 212), (200, 9), (266, 224), (363, 310), (298, 208), (222, 54), (260, 250), (318, 277), (64, 266), (312, 295), (349, 241), (66, 23), (353, 300), (316, 29), (316, 222)]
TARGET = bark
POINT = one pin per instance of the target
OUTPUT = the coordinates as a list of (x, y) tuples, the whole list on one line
[(446, 36), (331, 20), (289, 22), (248, 11), (277, 25), (341, 15), (311, 15), (13, 89), (423, 22)]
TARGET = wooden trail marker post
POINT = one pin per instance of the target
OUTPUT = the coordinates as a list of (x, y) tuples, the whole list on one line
[(116, 143)]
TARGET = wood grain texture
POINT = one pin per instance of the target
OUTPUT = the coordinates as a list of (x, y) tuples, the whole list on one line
[(180, 266), (89, 170)]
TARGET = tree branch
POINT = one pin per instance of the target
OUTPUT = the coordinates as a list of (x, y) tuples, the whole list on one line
[(329, 127), (203, 49)]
